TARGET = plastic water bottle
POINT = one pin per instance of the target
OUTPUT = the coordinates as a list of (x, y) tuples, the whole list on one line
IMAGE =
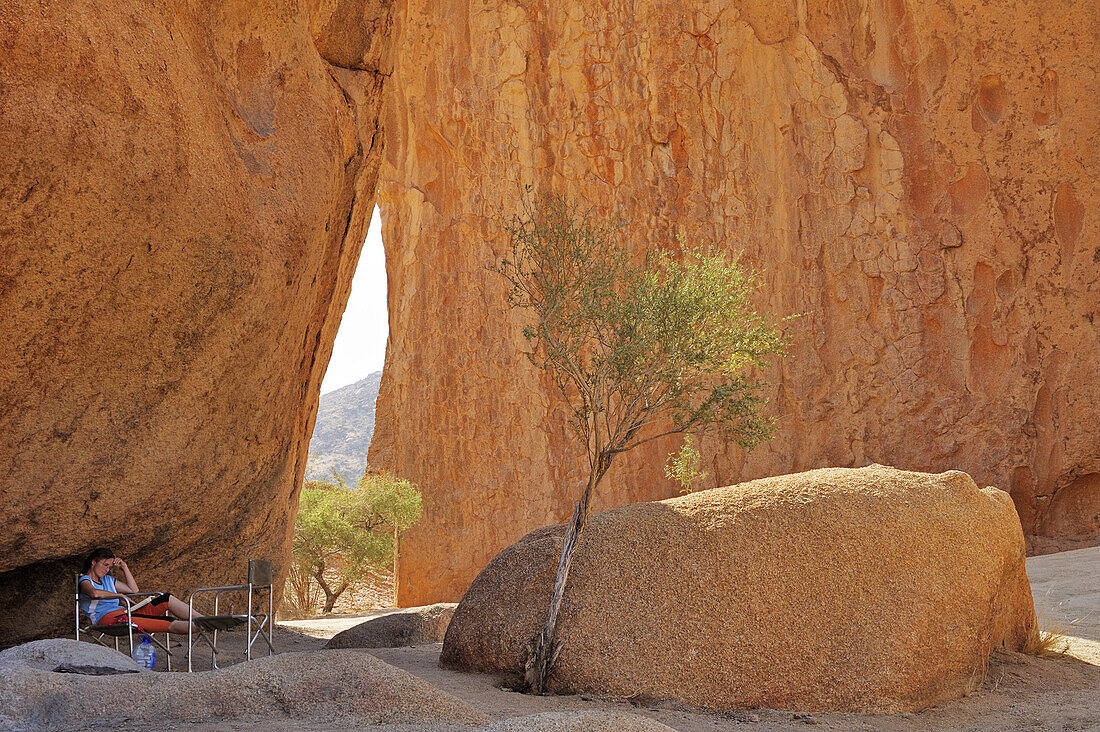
[(144, 653)]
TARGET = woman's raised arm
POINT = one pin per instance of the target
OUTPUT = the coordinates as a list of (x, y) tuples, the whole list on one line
[(129, 584)]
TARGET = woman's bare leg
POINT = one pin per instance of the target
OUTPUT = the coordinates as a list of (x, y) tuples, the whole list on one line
[(181, 627), (178, 608)]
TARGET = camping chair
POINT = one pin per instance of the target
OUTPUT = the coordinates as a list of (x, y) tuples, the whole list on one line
[(98, 633), (260, 578)]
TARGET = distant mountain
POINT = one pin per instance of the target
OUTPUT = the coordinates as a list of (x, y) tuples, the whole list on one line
[(345, 424)]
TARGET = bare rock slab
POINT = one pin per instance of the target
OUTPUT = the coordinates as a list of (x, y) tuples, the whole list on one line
[(408, 627), (578, 722), (347, 685), (852, 590)]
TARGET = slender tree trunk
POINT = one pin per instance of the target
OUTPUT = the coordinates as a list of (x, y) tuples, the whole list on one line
[(331, 595), (543, 649)]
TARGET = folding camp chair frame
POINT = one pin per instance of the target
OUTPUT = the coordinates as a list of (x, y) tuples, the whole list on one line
[(260, 578)]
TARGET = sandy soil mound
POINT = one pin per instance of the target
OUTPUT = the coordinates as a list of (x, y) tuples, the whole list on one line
[(1067, 591), (347, 685), (409, 627), (872, 589)]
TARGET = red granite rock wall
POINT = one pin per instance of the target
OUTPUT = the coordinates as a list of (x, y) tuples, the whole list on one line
[(919, 179), (184, 189)]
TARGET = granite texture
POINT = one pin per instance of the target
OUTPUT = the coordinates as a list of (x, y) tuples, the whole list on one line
[(868, 590), (918, 179), (184, 191)]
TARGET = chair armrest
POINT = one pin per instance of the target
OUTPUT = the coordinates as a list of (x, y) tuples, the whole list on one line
[(81, 596), (217, 594)]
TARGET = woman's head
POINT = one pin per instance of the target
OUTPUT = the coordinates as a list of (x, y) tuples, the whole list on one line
[(95, 556)]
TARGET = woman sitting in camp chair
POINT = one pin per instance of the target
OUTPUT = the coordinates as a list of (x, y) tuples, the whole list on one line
[(103, 594)]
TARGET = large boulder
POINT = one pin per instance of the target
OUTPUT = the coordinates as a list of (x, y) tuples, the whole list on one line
[(854, 590), (321, 685), (184, 191), (410, 627)]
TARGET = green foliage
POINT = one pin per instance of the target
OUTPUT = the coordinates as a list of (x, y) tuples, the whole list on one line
[(640, 347), (684, 466), (350, 530)]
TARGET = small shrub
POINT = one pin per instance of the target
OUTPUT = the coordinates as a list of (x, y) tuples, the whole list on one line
[(301, 594), (683, 467), (1048, 640)]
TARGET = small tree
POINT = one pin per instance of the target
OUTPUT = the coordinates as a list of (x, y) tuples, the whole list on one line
[(638, 349), (350, 530)]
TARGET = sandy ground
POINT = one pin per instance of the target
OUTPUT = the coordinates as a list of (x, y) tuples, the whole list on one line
[(1019, 693), (1066, 588)]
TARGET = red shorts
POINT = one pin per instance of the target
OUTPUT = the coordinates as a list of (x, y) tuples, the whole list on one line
[(153, 618)]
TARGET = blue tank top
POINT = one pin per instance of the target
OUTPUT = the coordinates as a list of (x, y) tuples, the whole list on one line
[(96, 609)]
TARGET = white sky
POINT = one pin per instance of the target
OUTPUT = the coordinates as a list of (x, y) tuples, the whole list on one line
[(360, 347)]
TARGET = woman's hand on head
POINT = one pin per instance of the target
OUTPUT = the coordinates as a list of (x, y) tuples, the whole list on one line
[(126, 583)]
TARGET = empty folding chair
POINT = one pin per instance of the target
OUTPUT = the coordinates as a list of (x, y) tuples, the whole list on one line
[(260, 578)]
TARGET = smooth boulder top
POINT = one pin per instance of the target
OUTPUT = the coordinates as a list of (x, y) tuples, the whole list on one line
[(347, 685), (853, 590), (407, 627), (46, 655)]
